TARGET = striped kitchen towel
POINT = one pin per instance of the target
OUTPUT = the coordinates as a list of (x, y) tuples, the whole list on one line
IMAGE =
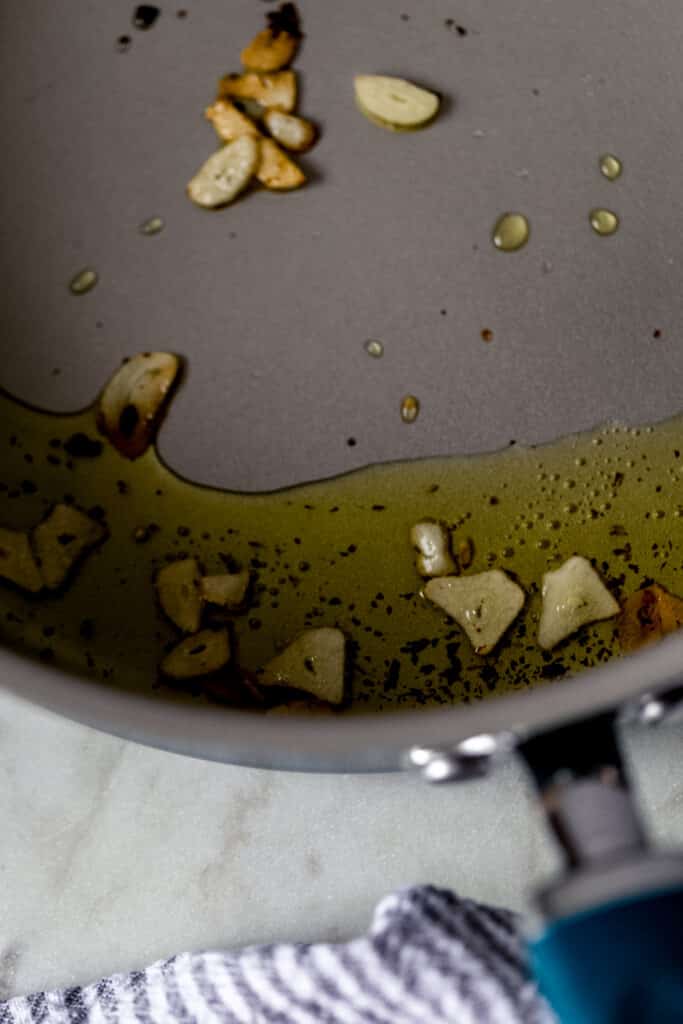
[(429, 958)]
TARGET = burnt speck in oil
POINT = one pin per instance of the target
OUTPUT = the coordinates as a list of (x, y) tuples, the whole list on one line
[(123, 43), (80, 446), (486, 334), (351, 442), (87, 629), (657, 333), (405, 17), (182, 13), (145, 15)]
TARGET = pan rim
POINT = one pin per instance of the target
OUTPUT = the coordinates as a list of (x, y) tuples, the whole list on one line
[(360, 743)]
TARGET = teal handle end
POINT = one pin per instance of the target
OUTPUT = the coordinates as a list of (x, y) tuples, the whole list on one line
[(621, 963)]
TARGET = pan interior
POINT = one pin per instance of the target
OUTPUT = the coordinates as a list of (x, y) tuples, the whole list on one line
[(271, 301)]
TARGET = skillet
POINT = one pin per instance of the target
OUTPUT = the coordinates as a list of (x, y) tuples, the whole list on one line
[(270, 301)]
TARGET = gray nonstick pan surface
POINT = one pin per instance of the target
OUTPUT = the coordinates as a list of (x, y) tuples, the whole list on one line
[(270, 301)]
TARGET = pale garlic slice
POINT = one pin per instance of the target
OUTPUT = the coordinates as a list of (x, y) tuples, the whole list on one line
[(294, 133), (573, 596), (314, 662), (431, 541), (394, 102), (133, 400), (225, 174), (178, 587), (17, 561), (228, 590), (484, 604), (271, 90), (62, 539), (198, 655)]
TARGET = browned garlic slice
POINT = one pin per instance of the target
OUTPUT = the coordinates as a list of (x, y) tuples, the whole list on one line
[(274, 90), (62, 539), (573, 596), (225, 174), (276, 170), (178, 587), (17, 561), (314, 662), (198, 655), (432, 544), (133, 400), (484, 605), (395, 103), (269, 51), (227, 590), (647, 616), (229, 122), (292, 132)]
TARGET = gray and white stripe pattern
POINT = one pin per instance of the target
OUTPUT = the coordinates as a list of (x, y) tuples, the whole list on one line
[(429, 958)]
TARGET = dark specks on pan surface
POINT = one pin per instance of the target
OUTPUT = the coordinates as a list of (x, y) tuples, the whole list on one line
[(145, 15)]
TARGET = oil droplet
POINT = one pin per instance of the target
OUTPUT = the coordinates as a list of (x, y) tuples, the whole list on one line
[(84, 281), (510, 232), (152, 226), (604, 222), (374, 348), (410, 407), (610, 166)]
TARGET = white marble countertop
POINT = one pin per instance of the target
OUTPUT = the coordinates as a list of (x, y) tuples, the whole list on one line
[(113, 855)]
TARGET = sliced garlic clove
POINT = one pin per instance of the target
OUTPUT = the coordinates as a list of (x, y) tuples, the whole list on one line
[(276, 171), (484, 605), (647, 616), (225, 174), (17, 561), (395, 103), (274, 90), (62, 539), (269, 51), (133, 400), (432, 544), (178, 587), (573, 596), (227, 590), (314, 662), (292, 132), (229, 122), (198, 655)]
